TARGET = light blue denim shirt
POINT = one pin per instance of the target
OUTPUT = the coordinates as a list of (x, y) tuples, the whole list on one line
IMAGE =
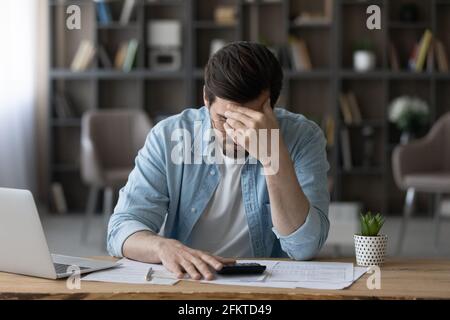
[(160, 188)]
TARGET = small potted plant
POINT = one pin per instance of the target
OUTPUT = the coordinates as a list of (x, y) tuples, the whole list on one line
[(364, 58), (410, 115), (370, 247)]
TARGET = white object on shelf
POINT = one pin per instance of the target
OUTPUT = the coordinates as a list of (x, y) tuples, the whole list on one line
[(164, 33), (165, 59), (127, 10), (363, 60), (164, 40)]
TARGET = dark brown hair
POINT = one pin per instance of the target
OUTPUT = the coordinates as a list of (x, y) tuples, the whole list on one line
[(241, 71)]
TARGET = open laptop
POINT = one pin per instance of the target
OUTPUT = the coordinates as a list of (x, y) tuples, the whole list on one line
[(23, 247)]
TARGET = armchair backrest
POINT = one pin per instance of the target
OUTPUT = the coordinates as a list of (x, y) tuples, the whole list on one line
[(429, 154), (111, 139)]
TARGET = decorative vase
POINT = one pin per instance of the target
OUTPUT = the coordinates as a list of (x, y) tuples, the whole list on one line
[(370, 251), (364, 60)]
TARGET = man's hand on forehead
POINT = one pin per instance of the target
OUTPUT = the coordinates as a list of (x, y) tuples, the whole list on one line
[(243, 124), (245, 115)]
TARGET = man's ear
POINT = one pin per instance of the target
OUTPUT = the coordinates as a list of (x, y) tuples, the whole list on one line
[(205, 100)]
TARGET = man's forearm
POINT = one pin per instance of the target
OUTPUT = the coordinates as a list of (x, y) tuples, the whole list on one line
[(143, 246), (289, 205)]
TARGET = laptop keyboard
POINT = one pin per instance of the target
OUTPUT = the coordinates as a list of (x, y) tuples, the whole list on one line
[(62, 268)]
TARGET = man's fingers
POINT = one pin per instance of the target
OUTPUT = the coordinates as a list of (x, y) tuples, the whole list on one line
[(247, 121), (202, 267), (212, 261), (190, 269), (175, 269), (246, 111), (236, 124)]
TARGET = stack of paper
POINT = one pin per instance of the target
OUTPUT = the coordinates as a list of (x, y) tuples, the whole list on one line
[(279, 274), (311, 275), (133, 272)]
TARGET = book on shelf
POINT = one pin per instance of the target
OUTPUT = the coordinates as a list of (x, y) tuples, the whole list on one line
[(126, 55), (420, 54), (225, 14), (63, 108), (301, 59), (424, 46), (430, 57), (441, 56), (104, 58), (120, 55), (413, 57), (354, 108), (127, 11), (345, 109), (59, 199), (346, 149), (351, 112), (83, 57), (307, 18), (393, 58), (328, 9), (103, 11), (328, 126), (130, 55)]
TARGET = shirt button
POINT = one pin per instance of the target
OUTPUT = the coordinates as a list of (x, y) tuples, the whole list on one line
[(193, 209), (212, 172)]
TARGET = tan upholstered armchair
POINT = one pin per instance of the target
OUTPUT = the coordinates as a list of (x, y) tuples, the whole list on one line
[(424, 166), (110, 141)]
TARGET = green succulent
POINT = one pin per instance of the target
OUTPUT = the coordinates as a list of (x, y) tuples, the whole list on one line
[(364, 44), (371, 224)]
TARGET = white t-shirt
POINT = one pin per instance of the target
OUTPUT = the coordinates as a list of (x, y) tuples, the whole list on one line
[(222, 228)]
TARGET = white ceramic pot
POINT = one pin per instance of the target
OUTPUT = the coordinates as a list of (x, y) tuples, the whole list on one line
[(370, 251), (364, 60)]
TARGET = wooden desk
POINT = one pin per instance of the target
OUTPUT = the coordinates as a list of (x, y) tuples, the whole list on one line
[(401, 279)]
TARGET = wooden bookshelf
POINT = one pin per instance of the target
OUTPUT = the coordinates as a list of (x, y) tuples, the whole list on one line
[(314, 93)]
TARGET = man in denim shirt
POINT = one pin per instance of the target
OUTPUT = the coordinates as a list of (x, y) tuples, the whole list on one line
[(223, 191)]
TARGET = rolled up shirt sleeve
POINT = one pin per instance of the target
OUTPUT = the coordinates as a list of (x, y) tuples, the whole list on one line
[(311, 167), (143, 201)]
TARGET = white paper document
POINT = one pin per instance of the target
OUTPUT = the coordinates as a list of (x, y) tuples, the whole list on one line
[(306, 271), (278, 274), (309, 275), (357, 273), (133, 272)]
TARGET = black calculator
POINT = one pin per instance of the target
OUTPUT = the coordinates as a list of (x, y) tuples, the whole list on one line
[(242, 268)]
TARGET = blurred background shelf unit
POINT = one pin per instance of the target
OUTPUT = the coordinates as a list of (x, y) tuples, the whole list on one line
[(315, 41)]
